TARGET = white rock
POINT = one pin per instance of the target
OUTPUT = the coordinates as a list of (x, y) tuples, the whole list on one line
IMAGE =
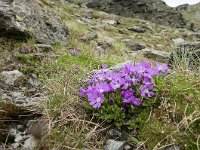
[(10, 77), (30, 144), (109, 22), (13, 132), (15, 145), (114, 145), (178, 41), (18, 138)]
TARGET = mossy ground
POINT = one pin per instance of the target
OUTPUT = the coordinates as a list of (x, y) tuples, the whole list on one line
[(174, 121)]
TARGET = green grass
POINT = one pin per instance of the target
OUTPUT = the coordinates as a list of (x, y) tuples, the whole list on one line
[(176, 120)]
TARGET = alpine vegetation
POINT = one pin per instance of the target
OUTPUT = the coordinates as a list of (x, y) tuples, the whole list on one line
[(124, 92)]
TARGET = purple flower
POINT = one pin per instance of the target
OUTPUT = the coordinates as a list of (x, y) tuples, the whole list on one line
[(120, 83), (104, 66), (110, 76), (135, 80), (126, 85), (74, 52), (149, 84), (82, 91), (146, 90), (162, 68), (129, 67), (127, 96), (111, 100), (101, 76), (136, 101), (103, 87), (96, 99), (117, 82), (123, 109)]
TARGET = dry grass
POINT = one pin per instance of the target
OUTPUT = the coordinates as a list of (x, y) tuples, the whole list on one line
[(68, 125)]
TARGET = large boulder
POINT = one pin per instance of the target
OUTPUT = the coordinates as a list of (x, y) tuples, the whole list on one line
[(31, 18), (154, 10)]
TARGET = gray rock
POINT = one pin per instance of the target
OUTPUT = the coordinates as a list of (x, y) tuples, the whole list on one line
[(115, 133), (44, 47), (109, 22), (17, 95), (106, 44), (24, 19), (118, 66), (31, 143), (18, 138), (114, 145), (99, 51), (161, 56), (173, 148), (10, 77), (134, 46), (15, 145), (136, 29), (88, 37), (32, 83), (178, 41), (13, 132), (88, 14), (127, 147)]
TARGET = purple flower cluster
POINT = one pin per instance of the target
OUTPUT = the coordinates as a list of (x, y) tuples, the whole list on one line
[(129, 85)]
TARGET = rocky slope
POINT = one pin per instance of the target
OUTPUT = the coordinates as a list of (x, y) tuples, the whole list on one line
[(154, 10), (191, 13), (39, 83)]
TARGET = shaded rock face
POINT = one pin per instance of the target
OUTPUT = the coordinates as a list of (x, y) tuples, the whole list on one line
[(153, 10), (23, 19)]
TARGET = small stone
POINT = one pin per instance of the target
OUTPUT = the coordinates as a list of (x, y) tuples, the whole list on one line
[(136, 29), (20, 127), (119, 65), (173, 148), (115, 133), (44, 47), (15, 145), (13, 132), (134, 46), (127, 147), (88, 37), (106, 44), (10, 77), (18, 138), (110, 22), (30, 143), (32, 83), (178, 41), (114, 145)]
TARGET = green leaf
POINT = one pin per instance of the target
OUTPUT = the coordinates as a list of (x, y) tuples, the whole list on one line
[(133, 140)]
